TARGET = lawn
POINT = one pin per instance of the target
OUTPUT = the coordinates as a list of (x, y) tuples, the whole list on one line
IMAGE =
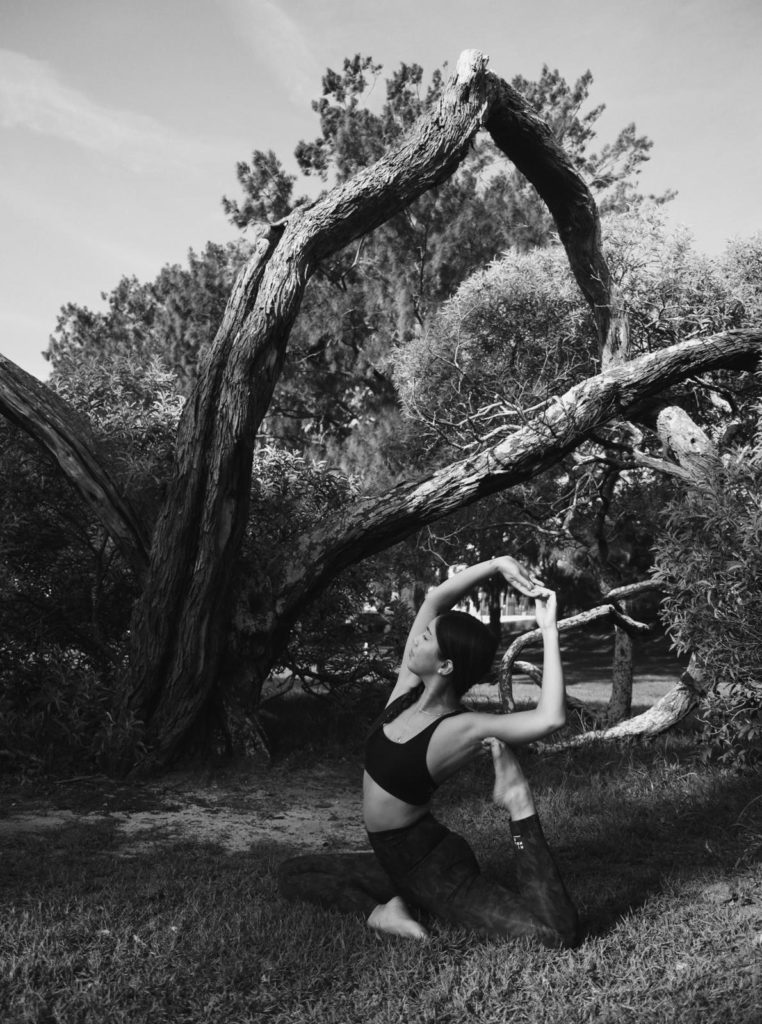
[(661, 853)]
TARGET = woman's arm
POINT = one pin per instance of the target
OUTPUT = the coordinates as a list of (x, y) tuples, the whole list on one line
[(550, 714), (443, 597)]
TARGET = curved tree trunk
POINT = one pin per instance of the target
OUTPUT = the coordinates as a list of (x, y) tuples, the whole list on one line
[(623, 623), (181, 624)]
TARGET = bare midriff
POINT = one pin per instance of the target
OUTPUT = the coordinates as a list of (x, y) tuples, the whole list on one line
[(383, 811)]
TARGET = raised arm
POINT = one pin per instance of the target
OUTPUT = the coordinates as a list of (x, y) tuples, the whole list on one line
[(443, 597), (550, 714)]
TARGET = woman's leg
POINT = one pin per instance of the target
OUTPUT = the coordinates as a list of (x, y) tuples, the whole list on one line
[(348, 882), (352, 883), (436, 870), (450, 885), (539, 881)]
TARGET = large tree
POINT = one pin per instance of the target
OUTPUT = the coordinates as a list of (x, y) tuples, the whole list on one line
[(516, 333), (335, 395), (376, 295), (192, 592)]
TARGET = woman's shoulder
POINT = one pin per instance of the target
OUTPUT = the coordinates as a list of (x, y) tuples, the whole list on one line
[(467, 724)]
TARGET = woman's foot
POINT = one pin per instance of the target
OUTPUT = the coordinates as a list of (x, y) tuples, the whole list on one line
[(511, 787), (393, 918)]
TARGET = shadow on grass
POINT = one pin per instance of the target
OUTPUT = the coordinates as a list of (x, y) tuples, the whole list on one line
[(626, 824)]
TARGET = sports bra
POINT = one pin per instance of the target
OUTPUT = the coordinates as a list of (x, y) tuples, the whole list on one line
[(400, 768)]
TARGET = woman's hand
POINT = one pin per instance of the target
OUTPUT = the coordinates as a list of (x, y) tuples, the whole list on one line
[(545, 608), (517, 576)]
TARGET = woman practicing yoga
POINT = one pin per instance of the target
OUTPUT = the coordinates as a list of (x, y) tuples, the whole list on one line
[(422, 737)]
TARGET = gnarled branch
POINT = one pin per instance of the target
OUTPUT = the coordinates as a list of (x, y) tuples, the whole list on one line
[(57, 427), (374, 524)]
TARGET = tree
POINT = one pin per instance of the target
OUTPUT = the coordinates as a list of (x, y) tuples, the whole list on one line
[(509, 339), (712, 608), (335, 392), (65, 592), (366, 301), (191, 590), (173, 318)]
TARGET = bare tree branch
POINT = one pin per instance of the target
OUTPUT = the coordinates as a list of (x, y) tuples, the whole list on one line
[(37, 409), (376, 523)]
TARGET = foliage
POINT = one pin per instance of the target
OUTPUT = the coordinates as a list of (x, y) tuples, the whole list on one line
[(742, 264), (65, 594), (518, 332), (336, 387), (353, 632), (173, 318), (511, 337), (709, 559)]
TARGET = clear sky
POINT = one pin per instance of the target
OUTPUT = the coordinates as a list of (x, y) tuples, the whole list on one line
[(121, 122)]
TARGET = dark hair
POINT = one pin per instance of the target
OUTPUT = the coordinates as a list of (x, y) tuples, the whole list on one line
[(468, 644)]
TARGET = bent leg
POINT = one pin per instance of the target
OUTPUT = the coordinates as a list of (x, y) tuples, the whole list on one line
[(539, 881), (436, 870), (349, 882), (450, 885)]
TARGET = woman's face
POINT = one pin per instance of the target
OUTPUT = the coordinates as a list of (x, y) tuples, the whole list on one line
[(425, 657)]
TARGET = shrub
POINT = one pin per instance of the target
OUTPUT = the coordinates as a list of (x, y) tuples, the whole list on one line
[(709, 559), (65, 593)]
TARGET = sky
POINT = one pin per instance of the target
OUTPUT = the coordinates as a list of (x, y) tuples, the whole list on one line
[(121, 122)]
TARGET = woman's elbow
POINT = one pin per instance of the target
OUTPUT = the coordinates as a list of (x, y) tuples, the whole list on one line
[(553, 722)]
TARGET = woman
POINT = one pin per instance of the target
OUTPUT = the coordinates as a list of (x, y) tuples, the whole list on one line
[(422, 737)]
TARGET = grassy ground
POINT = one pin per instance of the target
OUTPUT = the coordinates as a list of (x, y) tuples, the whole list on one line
[(661, 854)]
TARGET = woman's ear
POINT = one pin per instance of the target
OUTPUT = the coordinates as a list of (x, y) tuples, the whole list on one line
[(446, 667)]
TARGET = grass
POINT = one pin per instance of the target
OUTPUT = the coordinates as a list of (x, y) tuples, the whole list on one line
[(661, 854)]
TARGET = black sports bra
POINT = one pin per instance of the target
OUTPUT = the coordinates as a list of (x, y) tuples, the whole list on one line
[(400, 768)]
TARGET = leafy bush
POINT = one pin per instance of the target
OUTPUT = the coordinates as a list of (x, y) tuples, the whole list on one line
[(709, 559), (513, 335), (65, 593), (331, 647)]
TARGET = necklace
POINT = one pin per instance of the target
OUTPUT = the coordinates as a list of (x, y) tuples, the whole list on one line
[(402, 735), (431, 714)]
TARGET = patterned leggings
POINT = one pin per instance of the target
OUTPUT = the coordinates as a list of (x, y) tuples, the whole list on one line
[(435, 870)]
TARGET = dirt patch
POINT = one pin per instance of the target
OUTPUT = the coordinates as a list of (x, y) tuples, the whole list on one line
[(310, 808), (314, 807)]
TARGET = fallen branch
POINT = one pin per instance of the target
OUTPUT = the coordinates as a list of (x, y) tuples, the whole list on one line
[(607, 611), (664, 714)]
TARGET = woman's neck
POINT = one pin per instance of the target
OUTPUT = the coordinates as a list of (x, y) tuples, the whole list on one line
[(437, 696)]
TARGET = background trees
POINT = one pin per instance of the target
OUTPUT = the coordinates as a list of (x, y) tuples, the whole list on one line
[(336, 395), (219, 600)]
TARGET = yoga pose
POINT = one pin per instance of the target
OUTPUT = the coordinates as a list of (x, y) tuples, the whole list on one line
[(421, 738)]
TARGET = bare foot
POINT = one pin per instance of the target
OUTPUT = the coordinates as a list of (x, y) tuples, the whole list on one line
[(511, 787), (394, 918)]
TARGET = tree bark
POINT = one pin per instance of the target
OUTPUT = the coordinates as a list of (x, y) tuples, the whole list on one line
[(695, 452), (373, 524), (620, 701), (665, 713), (529, 143), (69, 440)]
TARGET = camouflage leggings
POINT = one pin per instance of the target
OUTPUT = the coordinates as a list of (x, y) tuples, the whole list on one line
[(436, 871)]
